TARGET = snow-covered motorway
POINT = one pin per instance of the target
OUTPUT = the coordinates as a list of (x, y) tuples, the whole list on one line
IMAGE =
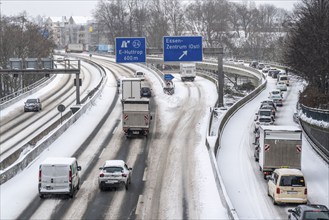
[(172, 174), (244, 181)]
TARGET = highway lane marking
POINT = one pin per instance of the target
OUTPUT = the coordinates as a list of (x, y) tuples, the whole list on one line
[(140, 203), (145, 173)]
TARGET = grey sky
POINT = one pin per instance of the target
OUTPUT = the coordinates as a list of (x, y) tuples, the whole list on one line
[(84, 7)]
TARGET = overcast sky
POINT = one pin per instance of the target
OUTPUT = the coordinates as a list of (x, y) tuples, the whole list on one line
[(84, 7)]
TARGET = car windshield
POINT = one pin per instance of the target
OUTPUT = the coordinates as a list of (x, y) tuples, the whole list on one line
[(292, 181), (31, 101), (266, 106), (264, 120), (265, 113), (275, 92), (283, 78), (316, 215), (113, 169)]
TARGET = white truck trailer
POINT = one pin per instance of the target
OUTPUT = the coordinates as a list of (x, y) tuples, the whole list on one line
[(279, 147), (136, 117), (74, 48), (131, 88), (187, 71)]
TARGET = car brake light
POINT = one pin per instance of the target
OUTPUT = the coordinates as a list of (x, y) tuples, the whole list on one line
[(124, 175), (39, 175), (70, 176), (277, 190), (101, 175), (305, 191)]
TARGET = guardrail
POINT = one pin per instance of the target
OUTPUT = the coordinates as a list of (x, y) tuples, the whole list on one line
[(318, 138), (315, 113)]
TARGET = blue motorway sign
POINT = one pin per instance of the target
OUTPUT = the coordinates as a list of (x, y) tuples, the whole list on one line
[(168, 77), (182, 48), (130, 50)]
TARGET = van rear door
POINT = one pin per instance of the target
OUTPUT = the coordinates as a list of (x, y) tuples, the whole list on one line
[(292, 187), (55, 177)]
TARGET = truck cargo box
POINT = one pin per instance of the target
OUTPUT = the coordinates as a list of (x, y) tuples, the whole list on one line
[(131, 88), (136, 116), (187, 71), (279, 147)]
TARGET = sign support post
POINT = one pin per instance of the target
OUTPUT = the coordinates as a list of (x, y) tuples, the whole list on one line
[(220, 86)]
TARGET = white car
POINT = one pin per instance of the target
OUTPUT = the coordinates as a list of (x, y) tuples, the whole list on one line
[(276, 92), (241, 62), (263, 120), (277, 99), (114, 174), (140, 74), (281, 86)]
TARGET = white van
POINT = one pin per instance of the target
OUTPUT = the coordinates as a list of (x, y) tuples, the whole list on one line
[(59, 175), (287, 186)]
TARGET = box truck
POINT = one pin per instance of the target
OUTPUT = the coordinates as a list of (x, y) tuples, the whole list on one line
[(74, 48), (279, 147), (136, 117), (131, 88), (187, 71)]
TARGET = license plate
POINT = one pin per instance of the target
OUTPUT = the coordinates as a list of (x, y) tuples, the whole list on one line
[(49, 187), (135, 132), (292, 192)]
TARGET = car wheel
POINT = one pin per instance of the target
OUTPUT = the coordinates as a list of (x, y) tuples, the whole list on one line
[(101, 187), (71, 193), (78, 186), (41, 196), (127, 185)]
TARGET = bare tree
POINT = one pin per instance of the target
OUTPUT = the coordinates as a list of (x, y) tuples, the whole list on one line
[(113, 15), (307, 43), (140, 17), (158, 25), (174, 12), (22, 39)]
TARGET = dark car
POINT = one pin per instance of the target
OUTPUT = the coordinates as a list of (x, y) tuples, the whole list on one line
[(146, 92), (253, 64), (309, 212), (274, 73), (32, 105)]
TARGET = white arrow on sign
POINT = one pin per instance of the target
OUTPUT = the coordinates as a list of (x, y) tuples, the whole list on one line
[(184, 54)]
